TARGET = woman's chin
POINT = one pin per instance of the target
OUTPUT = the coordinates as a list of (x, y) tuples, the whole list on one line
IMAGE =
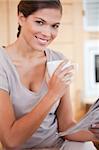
[(39, 48)]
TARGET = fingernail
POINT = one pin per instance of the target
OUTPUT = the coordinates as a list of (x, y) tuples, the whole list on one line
[(93, 125)]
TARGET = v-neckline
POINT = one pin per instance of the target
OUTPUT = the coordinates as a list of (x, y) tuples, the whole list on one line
[(18, 77)]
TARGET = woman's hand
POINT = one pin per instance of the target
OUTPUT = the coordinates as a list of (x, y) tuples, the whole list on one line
[(95, 130), (60, 79)]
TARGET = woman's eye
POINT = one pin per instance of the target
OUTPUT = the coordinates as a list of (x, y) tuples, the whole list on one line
[(56, 26), (39, 22)]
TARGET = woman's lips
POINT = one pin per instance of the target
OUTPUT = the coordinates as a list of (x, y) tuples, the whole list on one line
[(42, 40)]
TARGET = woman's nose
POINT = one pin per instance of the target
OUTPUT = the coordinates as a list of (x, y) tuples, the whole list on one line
[(47, 31)]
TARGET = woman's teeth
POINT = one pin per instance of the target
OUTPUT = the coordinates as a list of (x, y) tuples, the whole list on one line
[(42, 41)]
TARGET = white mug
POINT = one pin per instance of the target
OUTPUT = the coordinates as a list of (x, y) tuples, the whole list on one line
[(52, 65)]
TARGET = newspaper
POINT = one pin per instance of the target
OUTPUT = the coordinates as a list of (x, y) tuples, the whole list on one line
[(91, 117)]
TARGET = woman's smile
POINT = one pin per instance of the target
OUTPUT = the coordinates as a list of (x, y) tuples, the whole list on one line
[(40, 29), (42, 41)]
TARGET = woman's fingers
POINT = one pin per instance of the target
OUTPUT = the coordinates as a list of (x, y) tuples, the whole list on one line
[(64, 68), (65, 72), (68, 77), (59, 68), (95, 129), (95, 126)]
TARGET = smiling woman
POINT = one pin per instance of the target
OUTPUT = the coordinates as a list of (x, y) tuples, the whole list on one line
[(33, 109), (41, 31)]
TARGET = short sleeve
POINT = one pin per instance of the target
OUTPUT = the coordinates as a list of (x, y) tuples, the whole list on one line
[(3, 80), (56, 55), (60, 55)]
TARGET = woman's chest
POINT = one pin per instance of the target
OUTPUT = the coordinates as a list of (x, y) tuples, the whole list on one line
[(24, 100), (32, 79)]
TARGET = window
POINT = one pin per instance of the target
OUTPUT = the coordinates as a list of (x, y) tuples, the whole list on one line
[(91, 69), (97, 68), (91, 15)]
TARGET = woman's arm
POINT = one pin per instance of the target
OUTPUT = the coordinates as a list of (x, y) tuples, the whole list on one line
[(65, 112), (15, 132), (66, 120)]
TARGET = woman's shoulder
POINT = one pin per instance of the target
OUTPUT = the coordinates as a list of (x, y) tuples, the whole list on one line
[(3, 57), (55, 55), (2, 52)]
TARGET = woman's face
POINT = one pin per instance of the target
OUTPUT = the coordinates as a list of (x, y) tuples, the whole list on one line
[(41, 28)]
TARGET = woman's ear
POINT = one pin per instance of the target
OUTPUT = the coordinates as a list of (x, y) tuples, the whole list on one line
[(21, 19)]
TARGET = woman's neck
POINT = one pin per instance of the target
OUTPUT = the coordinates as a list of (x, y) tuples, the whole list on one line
[(20, 48)]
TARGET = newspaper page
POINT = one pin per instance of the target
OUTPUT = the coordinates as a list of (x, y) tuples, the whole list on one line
[(91, 117)]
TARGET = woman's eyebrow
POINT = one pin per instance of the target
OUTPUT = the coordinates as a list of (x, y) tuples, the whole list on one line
[(40, 19), (46, 21)]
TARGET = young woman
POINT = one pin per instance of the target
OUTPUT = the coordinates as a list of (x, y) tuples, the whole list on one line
[(33, 111)]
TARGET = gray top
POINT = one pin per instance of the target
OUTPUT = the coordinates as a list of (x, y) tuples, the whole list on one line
[(24, 100)]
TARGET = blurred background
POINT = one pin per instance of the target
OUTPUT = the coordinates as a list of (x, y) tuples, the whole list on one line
[(78, 40)]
